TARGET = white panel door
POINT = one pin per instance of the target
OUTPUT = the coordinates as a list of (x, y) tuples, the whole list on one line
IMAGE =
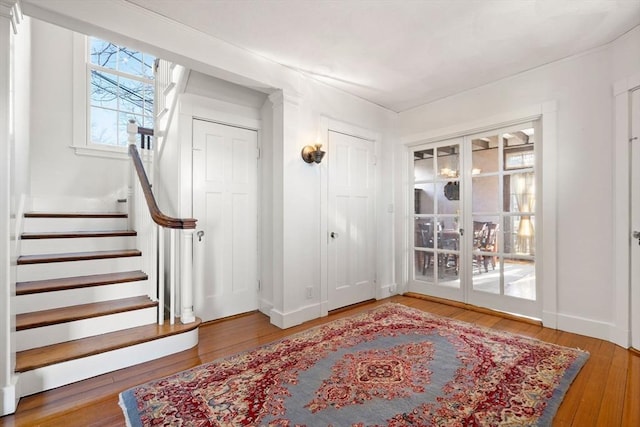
[(225, 204), (635, 219), (351, 220)]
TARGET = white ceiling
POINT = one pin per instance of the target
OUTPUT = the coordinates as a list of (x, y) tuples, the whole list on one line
[(402, 53)]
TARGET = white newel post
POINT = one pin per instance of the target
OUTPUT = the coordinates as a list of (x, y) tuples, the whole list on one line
[(186, 283)]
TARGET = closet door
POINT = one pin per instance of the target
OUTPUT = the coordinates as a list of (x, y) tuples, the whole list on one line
[(351, 220), (225, 197)]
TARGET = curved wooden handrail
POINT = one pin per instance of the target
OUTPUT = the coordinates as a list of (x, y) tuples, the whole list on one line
[(157, 215)]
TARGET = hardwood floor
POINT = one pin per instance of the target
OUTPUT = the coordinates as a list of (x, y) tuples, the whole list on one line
[(605, 393)]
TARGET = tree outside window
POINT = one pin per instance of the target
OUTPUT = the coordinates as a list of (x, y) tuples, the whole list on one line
[(121, 88)]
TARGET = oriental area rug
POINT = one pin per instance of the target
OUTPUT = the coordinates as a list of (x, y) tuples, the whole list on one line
[(391, 366)]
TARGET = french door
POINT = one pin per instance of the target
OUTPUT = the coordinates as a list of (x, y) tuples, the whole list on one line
[(473, 232)]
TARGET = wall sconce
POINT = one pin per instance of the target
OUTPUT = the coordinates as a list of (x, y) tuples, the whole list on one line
[(312, 153)]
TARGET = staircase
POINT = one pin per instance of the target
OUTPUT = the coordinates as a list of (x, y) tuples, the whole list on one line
[(82, 302)]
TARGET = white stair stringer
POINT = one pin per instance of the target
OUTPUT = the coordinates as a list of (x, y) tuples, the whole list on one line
[(49, 377), (57, 270), (46, 335), (57, 299)]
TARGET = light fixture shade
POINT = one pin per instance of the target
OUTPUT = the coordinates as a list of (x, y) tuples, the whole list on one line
[(312, 153)]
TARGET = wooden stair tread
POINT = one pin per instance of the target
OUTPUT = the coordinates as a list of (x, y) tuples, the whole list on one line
[(78, 312), (49, 355), (76, 234), (37, 286), (76, 256), (75, 215)]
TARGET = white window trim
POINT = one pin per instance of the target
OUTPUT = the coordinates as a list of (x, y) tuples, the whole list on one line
[(81, 142)]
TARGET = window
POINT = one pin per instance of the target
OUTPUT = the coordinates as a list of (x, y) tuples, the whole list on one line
[(120, 88)]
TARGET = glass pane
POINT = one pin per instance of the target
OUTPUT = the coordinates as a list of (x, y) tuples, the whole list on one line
[(132, 95), (519, 235), (518, 149), (485, 154), (103, 126), (103, 53), (147, 122), (448, 270), (485, 196), (148, 93), (424, 266), (449, 223), (423, 199), (448, 161), (520, 278), (448, 194), (424, 232), (130, 61), (485, 281), (104, 89), (147, 67), (520, 192), (423, 165), (486, 238)]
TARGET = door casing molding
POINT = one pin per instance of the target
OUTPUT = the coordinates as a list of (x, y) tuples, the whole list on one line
[(620, 329)]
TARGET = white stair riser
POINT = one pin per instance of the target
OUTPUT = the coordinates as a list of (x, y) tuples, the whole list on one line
[(83, 244), (47, 335), (53, 376), (56, 270), (57, 299), (74, 224)]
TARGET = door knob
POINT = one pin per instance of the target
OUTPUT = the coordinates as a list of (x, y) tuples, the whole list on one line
[(334, 235), (636, 235)]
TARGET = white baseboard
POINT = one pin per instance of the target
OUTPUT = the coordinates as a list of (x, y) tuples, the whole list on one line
[(583, 326), (387, 291), (550, 320), (9, 398), (620, 336), (296, 317), (265, 307)]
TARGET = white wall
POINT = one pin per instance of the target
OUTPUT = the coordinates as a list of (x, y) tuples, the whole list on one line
[(582, 87), (56, 170)]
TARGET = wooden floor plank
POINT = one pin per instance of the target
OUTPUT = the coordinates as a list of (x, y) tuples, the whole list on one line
[(612, 401), (631, 411), (94, 401)]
